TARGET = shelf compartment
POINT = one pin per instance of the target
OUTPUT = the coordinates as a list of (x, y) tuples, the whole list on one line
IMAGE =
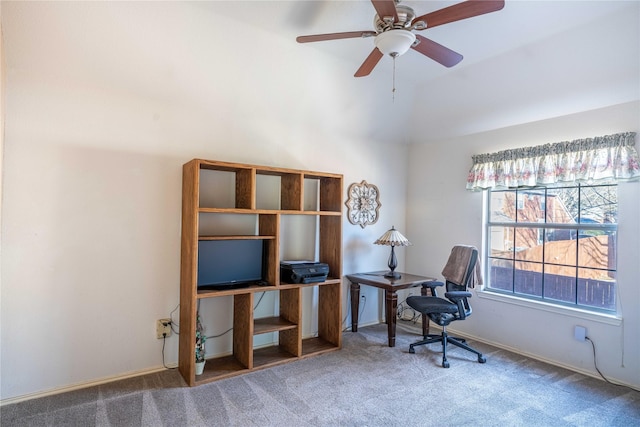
[(227, 224), (271, 356), (271, 324), (278, 190), (322, 193), (316, 345), (226, 187), (221, 367)]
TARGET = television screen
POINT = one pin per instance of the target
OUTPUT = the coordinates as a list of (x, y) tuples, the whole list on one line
[(229, 263)]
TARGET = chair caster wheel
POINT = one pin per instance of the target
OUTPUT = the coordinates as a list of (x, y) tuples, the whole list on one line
[(482, 359), (411, 350), (445, 364)]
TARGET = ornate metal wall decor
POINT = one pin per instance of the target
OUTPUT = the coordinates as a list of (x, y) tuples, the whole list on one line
[(363, 204)]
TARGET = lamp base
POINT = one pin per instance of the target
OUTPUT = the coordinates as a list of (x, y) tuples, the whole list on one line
[(392, 275)]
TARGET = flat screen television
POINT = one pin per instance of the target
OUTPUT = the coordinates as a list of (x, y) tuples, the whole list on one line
[(229, 264)]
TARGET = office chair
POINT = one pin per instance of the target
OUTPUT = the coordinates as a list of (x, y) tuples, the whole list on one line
[(461, 272)]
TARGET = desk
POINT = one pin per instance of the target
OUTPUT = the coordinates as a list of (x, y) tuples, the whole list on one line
[(390, 286)]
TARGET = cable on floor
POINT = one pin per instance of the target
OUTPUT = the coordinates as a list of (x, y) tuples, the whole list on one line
[(595, 364)]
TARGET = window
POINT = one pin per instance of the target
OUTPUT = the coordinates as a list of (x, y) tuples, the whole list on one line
[(556, 244)]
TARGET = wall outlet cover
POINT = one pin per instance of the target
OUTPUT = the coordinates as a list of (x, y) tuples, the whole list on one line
[(163, 328)]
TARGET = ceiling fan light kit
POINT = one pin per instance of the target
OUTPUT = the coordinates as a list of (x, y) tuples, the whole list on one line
[(395, 42), (394, 25)]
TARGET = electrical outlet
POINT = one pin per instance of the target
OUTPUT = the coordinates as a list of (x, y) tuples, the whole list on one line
[(580, 333), (163, 328)]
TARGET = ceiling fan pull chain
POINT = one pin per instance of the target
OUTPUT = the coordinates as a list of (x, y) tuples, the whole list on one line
[(393, 91)]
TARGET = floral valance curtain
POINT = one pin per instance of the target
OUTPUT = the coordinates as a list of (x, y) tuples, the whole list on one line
[(611, 157)]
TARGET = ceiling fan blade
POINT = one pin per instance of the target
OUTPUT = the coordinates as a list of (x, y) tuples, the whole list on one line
[(334, 36), (385, 8), (437, 52), (369, 64), (456, 12)]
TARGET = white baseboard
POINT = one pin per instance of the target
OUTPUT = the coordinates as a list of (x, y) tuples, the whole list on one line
[(87, 384), (455, 332)]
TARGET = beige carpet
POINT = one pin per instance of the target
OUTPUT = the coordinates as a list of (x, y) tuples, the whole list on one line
[(364, 384)]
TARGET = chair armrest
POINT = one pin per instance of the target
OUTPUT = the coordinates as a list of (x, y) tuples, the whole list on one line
[(457, 295), (460, 299), (431, 285)]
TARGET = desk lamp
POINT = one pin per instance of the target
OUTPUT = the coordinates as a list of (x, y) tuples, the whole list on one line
[(392, 238)]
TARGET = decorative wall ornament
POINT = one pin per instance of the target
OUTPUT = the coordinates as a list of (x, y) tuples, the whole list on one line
[(363, 204)]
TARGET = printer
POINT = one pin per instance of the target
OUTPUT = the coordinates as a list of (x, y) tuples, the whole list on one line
[(303, 271)]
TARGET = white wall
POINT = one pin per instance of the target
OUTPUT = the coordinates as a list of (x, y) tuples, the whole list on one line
[(442, 213), (105, 101)]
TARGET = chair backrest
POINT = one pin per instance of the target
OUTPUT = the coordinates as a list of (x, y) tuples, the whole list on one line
[(468, 275)]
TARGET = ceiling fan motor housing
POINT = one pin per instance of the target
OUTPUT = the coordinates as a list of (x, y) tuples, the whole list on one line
[(405, 17)]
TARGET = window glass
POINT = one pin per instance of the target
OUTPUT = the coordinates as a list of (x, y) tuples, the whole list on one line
[(528, 279), (502, 206), (554, 244), (561, 207), (532, 207), (502, 241), (597, 249), (560, 284), (598, 205), (501, 273), (596, 289), (560, 246), (528, 244)]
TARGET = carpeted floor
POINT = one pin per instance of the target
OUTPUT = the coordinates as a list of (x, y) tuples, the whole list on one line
[(364, 384)]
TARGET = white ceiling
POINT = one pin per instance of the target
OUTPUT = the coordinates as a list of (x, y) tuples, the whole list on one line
[(530, 61), (236, 65)]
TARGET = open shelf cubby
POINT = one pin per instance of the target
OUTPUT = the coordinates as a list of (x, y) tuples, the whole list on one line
[(298, 215)]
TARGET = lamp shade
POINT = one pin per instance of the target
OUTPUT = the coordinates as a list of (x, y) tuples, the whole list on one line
[(393, 238), (394, 42)]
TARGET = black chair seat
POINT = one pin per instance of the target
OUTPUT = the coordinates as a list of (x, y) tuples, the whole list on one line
[(431, 304)]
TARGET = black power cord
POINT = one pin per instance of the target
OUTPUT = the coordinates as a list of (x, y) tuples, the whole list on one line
[(403, 307), (595, 364), (164, 339), (231, 329), (173, 322)]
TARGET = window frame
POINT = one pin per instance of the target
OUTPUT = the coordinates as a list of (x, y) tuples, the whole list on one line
[(542, 227)]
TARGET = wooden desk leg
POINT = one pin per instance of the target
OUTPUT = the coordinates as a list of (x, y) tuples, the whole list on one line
[(355, 305), (391, 311)]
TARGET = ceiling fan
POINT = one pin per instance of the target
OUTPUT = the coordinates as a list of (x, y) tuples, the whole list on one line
[(394, 25)]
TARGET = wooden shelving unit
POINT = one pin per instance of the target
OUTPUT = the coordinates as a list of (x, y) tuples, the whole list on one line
[(253, 199)]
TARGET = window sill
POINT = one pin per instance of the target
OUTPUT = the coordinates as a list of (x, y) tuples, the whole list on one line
[(609, 319)]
